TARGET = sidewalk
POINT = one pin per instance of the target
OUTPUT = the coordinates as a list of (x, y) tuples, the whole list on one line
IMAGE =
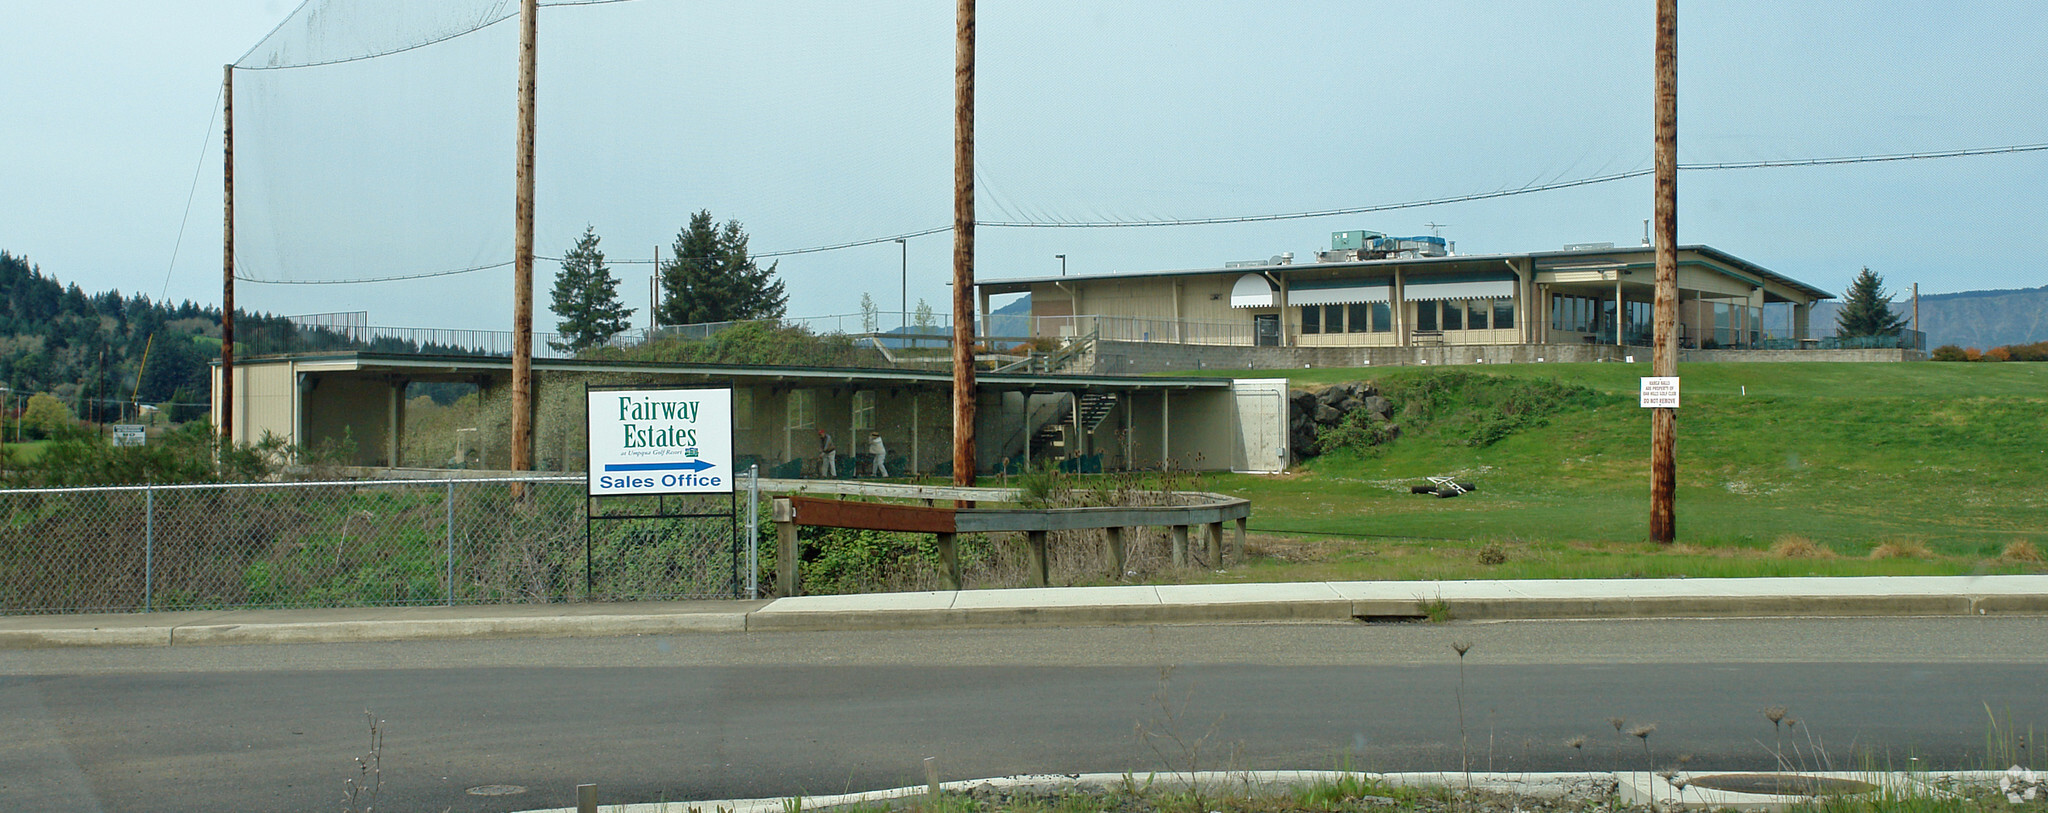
[(1065, 606)]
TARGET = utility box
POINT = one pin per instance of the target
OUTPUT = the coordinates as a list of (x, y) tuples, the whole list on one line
[(1354, 239)]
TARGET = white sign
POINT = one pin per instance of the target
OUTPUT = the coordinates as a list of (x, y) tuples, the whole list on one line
[(130, 434), (1660, 392), (660, 442)]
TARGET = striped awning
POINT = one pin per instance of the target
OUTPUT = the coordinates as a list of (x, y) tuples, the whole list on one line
[(1340, 291), (1467, 288)]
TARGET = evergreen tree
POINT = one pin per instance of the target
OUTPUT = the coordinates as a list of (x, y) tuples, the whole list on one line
[(587, 298), (710, 278), (1867, 309)]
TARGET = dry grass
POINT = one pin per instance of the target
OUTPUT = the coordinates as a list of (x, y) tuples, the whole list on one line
[(1901, 550), (2021, 551), (1799, 547)]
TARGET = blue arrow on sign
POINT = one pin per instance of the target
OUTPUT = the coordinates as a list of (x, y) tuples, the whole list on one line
[(692, 465)]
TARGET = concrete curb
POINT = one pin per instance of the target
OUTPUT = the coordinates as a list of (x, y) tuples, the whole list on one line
[(1539, 785), (1306, 602)]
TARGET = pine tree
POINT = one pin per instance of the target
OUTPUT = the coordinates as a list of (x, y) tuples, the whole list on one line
[(1867, 309), (587, 298), (710, 278)]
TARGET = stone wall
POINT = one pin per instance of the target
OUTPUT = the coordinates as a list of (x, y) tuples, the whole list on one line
[(1121, 358), (1130, 358)]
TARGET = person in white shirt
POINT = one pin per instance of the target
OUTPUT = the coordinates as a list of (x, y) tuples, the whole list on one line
[(880, 451)]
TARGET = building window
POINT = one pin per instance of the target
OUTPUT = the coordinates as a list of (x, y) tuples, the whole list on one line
[(1476, 311), (1382, 317), (1311, 320), (864, 410), (1356, 319), (1503, 314), (1454, 314), (1425, 316)]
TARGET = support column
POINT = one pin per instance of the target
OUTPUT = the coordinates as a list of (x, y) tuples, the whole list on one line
[(1237, 550), (1212, 535), (1180, 546), (1399, 306)]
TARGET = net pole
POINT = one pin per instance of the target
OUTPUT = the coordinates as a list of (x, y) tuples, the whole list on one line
[(963, 248), (522, 253), (227, 262), (1664, 358)]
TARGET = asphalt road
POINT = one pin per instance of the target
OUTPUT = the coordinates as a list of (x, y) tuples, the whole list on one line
[(731, 715)]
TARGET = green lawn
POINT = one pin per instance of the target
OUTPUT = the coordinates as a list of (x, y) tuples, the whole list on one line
[(1948, 463), (28, 452)]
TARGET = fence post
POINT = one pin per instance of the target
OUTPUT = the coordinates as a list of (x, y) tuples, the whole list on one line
[(754, 531), (148, 546), (449, 524)]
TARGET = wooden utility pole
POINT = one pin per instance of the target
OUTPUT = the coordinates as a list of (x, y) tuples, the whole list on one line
[(1664, 358), (963, 249), (227, 263), (522, 251)]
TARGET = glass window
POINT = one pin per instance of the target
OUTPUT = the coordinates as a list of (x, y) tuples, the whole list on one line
[(1311, 320), (1425, 316), (1382, 317), (1454, 315), (1476, 311), (864, 410), (1503, 314), (1355, 318)]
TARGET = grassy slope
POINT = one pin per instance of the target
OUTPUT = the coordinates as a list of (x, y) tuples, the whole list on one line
[(1850, 456)]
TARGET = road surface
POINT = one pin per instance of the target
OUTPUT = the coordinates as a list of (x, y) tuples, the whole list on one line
[(756, 715)]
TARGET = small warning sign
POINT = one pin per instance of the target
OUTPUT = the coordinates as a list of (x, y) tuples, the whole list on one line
[(1660, 392)]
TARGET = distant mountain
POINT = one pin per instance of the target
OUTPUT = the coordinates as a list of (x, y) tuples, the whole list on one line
[(1011, 320), (1980, 319)]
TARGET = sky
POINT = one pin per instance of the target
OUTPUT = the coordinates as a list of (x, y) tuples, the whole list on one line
[(822, 123)]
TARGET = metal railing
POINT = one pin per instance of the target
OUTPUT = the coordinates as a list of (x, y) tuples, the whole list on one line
[(358, 543)]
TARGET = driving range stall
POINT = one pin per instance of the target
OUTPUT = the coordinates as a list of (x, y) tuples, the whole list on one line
[(409, 411)]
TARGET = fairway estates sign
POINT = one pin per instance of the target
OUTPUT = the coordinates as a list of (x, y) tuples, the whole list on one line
[(660, 442)]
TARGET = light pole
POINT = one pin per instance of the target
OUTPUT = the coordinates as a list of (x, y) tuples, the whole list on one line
[(900, 242), (1063, 263)]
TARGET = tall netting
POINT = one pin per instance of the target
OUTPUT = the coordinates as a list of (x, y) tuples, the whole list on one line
[(375, 138)]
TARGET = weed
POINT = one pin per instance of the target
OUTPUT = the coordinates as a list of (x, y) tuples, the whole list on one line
[(359, 792), (1493, 553), (1437, 610), (1799, 547), (2021, 551), (1168, 739)]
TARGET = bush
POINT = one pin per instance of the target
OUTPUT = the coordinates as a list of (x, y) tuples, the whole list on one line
[(184, 455), (1949, 352)]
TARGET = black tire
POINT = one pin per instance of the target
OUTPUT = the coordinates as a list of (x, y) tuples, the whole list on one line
[(1468, 487), (1422, 489), (1446, 492)]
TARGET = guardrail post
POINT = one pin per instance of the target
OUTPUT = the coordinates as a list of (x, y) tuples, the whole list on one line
[(1113, 543), (1039, 572), (784, 517), (1237, 548), (1212, 535), (949, 561), (1036, 541), (1180, 546)]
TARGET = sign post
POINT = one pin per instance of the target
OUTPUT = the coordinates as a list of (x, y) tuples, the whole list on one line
[(659, 442)]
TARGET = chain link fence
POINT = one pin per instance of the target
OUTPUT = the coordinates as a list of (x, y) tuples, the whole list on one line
[(362, 543)]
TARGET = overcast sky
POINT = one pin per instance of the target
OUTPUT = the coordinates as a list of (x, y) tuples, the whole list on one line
[(819, 123)]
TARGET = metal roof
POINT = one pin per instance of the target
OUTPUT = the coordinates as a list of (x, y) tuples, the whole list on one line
[(353, 361), (1023, 284)]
